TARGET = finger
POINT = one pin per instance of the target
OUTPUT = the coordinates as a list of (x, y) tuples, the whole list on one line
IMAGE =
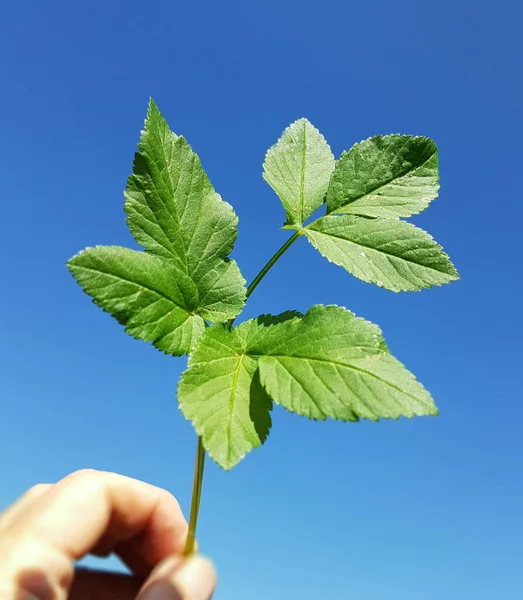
[(103, 585), (178, 579), (15, 510), (76, 514), (88, 508), (164, 534), (142, 553), (87, 584)]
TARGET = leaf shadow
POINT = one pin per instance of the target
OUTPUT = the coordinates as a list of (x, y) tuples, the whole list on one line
[(260, 406), (288, 315), (260, 403)]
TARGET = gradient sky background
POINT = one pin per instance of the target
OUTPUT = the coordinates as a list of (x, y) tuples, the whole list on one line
[(411, 510)]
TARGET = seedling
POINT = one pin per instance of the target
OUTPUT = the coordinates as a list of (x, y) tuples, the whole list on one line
[(183, 293)]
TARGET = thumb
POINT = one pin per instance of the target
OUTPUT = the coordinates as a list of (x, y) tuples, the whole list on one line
[(176, 578)]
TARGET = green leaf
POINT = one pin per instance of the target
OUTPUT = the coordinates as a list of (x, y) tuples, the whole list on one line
[(221, 394), (187, 232), (391, 176), (390, 253), (221, 292), (332, 364), (173, 210), (298, 168), (327, 363), (155, 300)]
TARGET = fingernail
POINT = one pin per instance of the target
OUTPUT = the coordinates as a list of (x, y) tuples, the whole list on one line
[(194, 579)]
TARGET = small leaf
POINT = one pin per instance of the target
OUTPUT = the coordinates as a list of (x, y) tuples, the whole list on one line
[(221, 394), (390, 253), (173, 210), (391, 176), (298, 168), (221, 292), (150, 296), (153, 298), (332, 364)]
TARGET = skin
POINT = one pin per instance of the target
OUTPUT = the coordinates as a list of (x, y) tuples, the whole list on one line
[(51, 526)]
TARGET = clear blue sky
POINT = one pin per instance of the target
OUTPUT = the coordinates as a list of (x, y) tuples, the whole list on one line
[(411, 510)]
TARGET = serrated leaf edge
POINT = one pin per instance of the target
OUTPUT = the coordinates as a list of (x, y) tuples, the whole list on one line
[(437, 187), (273, 146), (455, 276)]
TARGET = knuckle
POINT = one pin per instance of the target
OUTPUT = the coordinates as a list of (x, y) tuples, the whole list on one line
[(173, 501), (88, 479), (84, 477), (37, 490), (84, 474)]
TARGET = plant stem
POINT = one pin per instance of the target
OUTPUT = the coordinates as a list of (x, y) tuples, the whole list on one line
[(271, 263), (200, 450), (196, 495)]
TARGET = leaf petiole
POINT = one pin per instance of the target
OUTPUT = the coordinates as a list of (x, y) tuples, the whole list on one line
[(196, 496), (255, 282)]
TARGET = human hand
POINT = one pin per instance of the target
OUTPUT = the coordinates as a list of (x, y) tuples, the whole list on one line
[(93, 512)]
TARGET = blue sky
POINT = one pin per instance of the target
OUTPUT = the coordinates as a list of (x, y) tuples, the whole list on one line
[(409, 510)]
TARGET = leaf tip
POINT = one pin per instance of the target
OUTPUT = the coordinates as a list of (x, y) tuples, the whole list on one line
[(152, 108)]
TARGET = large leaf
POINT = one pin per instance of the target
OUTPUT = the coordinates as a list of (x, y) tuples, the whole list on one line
[(155, 300), (173, 210), (298, 168), (187, 232), (221, 394), (332, 364), (391, 176), (327, 363), (390, 253)]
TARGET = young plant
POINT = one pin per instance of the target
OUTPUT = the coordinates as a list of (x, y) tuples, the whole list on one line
[(183, 292)]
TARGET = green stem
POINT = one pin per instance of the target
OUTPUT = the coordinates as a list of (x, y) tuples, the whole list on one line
[(200, 450), (196, 495), (255, 282)]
